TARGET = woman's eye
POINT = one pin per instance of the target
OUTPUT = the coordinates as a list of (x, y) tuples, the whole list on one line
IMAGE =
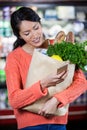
[(36, 28), (27, 34)]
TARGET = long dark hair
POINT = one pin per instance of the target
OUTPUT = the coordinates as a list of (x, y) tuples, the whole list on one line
[(23, 13)]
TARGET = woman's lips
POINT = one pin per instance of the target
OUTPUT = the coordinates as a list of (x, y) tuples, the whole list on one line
[(36, 40)]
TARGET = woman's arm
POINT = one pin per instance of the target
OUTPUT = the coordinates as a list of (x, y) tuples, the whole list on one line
[(60, 99), (78, 86), (19, 97)]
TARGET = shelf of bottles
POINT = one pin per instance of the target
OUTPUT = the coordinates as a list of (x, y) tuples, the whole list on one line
[(6, 45)]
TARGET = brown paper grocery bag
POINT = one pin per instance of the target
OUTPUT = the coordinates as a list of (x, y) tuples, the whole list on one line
[(41, 66)]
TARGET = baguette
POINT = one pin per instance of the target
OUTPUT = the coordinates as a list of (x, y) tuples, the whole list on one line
[(60, 37), (70, 37)]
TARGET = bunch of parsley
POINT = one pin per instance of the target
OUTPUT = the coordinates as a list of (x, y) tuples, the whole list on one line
[(75, 53)]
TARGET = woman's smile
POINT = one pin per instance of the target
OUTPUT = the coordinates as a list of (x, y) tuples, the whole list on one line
[(36, 40)]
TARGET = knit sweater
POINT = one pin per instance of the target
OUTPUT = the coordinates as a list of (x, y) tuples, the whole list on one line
[(17, 65)]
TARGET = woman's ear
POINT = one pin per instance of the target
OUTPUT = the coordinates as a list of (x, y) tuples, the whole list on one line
[(20, 37)]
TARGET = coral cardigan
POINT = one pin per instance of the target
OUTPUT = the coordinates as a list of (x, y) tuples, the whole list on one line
[(17, 64)]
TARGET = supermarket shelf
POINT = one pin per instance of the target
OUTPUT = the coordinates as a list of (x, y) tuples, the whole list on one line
[(7, 117), (43, 3), (75, 113), (78, 112)]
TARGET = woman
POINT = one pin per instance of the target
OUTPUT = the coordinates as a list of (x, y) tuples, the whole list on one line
[(27, 28)]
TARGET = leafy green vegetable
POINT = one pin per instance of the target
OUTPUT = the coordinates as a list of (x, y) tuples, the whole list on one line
[(75, 53)]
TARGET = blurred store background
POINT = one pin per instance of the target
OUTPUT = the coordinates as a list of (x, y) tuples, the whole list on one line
[(56, 15)]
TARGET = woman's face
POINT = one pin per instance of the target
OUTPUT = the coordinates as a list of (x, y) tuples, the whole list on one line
[(31, 33)]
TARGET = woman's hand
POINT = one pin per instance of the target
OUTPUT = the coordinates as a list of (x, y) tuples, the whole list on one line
[(49, 108), (53, 79)]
